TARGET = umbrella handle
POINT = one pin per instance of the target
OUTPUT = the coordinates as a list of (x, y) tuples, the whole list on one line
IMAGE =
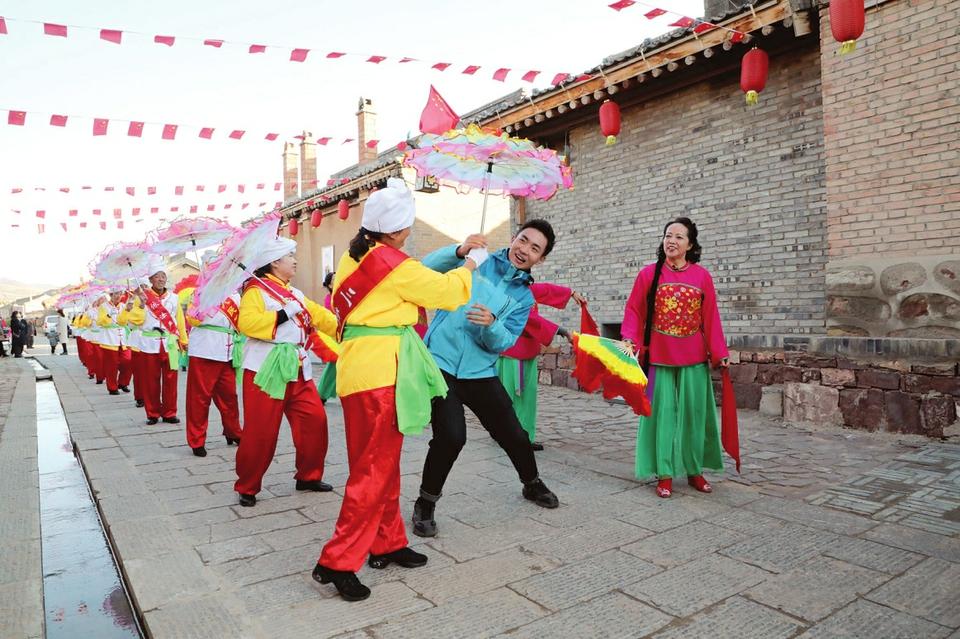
[(486, 193)]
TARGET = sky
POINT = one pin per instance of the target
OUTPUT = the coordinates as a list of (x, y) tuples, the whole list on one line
[(193, 85)]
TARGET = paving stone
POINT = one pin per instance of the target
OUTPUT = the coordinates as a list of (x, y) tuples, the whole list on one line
[(736, 617), (201, 618), (117, 508), (781, 550), (281, 593), (684, 590), (812, 516), (872, 555), (916, 540), (591, 538), (863, 619), (19, 560), (928, 590), (21, 608), (746, 522), (805, 592), (684, 543), (611, 616), (145, 537), (464, 542), (254, 525), (562, 587), (665, 514), (156, 581), (281, 563), (241, 548), (484, 615)]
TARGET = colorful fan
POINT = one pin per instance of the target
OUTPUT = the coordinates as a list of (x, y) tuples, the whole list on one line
[(602, 365)]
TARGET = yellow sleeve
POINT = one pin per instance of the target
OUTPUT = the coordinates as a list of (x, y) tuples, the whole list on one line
[(323, 320), (181, 325), (255, 320), (193, 321), (102, 318), (425, 287), (137, 315), (123, 317)]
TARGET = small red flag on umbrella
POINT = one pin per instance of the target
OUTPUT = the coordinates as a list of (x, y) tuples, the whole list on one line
[(437, 116)]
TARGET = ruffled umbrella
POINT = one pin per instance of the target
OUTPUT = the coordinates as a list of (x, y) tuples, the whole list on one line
[(121, 261), (189, 234), (481, 158)]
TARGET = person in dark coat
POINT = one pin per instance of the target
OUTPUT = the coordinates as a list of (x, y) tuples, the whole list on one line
[(19, 329)]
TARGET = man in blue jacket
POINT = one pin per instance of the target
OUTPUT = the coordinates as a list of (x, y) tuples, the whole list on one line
[(466, 344)]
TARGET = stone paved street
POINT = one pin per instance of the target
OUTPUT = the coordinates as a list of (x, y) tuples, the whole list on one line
[(827, 533)]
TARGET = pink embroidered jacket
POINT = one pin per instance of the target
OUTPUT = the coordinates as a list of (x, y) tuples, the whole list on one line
[(539, 331), (686, 321)]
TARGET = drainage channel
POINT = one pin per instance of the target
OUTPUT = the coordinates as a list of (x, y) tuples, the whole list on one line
[(83, 592)]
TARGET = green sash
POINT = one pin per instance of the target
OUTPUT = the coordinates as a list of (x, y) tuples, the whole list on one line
[(171, 346), (418, 378), (238, 341), (281, 367)]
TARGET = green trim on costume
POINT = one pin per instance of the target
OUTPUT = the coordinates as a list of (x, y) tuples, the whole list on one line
[(281, 366), (523, 396)]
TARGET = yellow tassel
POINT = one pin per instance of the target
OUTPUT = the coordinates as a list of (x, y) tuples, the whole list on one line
[(752, 98), (848, 47), (611, 140)]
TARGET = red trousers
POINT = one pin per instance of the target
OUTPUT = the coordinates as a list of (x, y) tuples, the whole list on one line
[(81, 350), (115, 365), (93, 360), (208, 379), (370, 520), (159, 385), (136, 374), (261, 419)]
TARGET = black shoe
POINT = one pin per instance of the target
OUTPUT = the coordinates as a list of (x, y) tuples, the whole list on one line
[(248, 500), (232, 440), (405, 557), (316, 486), (536, 446), (151, 421), (99, 381), (200, 451), (424, 525), (125, 389), (114, 392), (171, 420), (139, 403), (537, 492), (347, 584)]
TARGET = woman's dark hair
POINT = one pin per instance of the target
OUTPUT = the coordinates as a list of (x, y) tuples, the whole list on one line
[(693, 255), (328, 281), (544, 227), (362, 242), (263, 271)]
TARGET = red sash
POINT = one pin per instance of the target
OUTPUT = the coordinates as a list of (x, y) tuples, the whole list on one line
[(302, 319), (157, 309), (373, 269), (232, 311)]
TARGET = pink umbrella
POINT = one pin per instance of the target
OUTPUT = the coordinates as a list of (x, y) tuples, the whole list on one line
[(121, 261), (189, 234), (239, 257)]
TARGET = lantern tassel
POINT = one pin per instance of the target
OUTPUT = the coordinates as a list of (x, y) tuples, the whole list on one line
[(611, 140), (752, 98), (848, 47)]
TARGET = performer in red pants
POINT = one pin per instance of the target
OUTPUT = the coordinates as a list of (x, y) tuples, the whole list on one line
[(215, 351), (279, 322), (114, 363)]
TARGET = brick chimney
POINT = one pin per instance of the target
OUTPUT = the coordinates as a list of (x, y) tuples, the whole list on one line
[(291, 179), (308, 163), (366, 130)]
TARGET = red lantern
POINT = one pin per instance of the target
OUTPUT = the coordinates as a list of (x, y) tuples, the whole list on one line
[(316, 218), (343, 209), (846, 22), (753, 74), (294, 227), (610, 121)]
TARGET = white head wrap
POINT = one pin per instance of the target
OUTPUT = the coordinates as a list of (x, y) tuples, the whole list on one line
[(390, 209), (144, 281), (274, 250), (156, 265)]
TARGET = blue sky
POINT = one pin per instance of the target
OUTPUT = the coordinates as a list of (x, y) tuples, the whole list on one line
[(228, 88)]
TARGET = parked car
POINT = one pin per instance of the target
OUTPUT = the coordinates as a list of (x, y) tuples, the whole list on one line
[(50, 323)]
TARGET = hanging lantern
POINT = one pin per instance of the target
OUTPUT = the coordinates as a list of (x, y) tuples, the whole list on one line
[(846, 22), (610, 121), (753, 74), (316, 218), (294, 227), (343, 209)]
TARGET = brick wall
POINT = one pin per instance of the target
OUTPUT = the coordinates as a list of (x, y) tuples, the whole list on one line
[(891, 132), (752, 179)]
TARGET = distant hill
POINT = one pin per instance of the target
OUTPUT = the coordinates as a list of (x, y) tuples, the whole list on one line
[(13, 289)]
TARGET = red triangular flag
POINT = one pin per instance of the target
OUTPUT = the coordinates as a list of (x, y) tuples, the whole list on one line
[(470, 70), (276, 186), (210, 207), (100, 126), (241, 188), (404, 60), (41, 214), (213, 43), (335, 54), (299, 55), (588, 326), (501, 75), (58, 120), (683, 22), (736, 37), (323, 141), (136, 211), (167, 40), (120, 224), (441, 66), (135, 130), (111, 35), (437, 116), (654, 13), (117, 214), (83, 225), (376, 59), (63, 225), (236, 135), (64, 189), (621, 4), (729, 430), (96, 211), (151, 190), (103, 226), (131, 190), (51, 29), (560, 77), (257, 48), (372, 144), (260, 186), (221, 188), (178, 190), (17, 118), (73, 212), (169, 132), (271, 136), (3, 26), (154, 210), (530, 76), (703, 26), (193, 209), (206, 133), (200, 188)]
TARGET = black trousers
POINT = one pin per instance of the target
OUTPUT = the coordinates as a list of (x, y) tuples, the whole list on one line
[(489, 401)]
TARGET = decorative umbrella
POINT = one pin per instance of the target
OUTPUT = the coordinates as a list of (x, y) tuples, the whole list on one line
[(189, 234), (239, 258), (121, 261), (480, 158)]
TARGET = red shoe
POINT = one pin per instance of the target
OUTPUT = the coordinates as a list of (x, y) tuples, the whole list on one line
[(698, 482), (665, 487)]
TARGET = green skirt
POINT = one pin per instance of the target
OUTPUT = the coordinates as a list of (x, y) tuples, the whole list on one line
[(682, 435), (519, 377)]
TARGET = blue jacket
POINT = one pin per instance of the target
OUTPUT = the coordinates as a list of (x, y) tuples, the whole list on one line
[(469, 351)]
